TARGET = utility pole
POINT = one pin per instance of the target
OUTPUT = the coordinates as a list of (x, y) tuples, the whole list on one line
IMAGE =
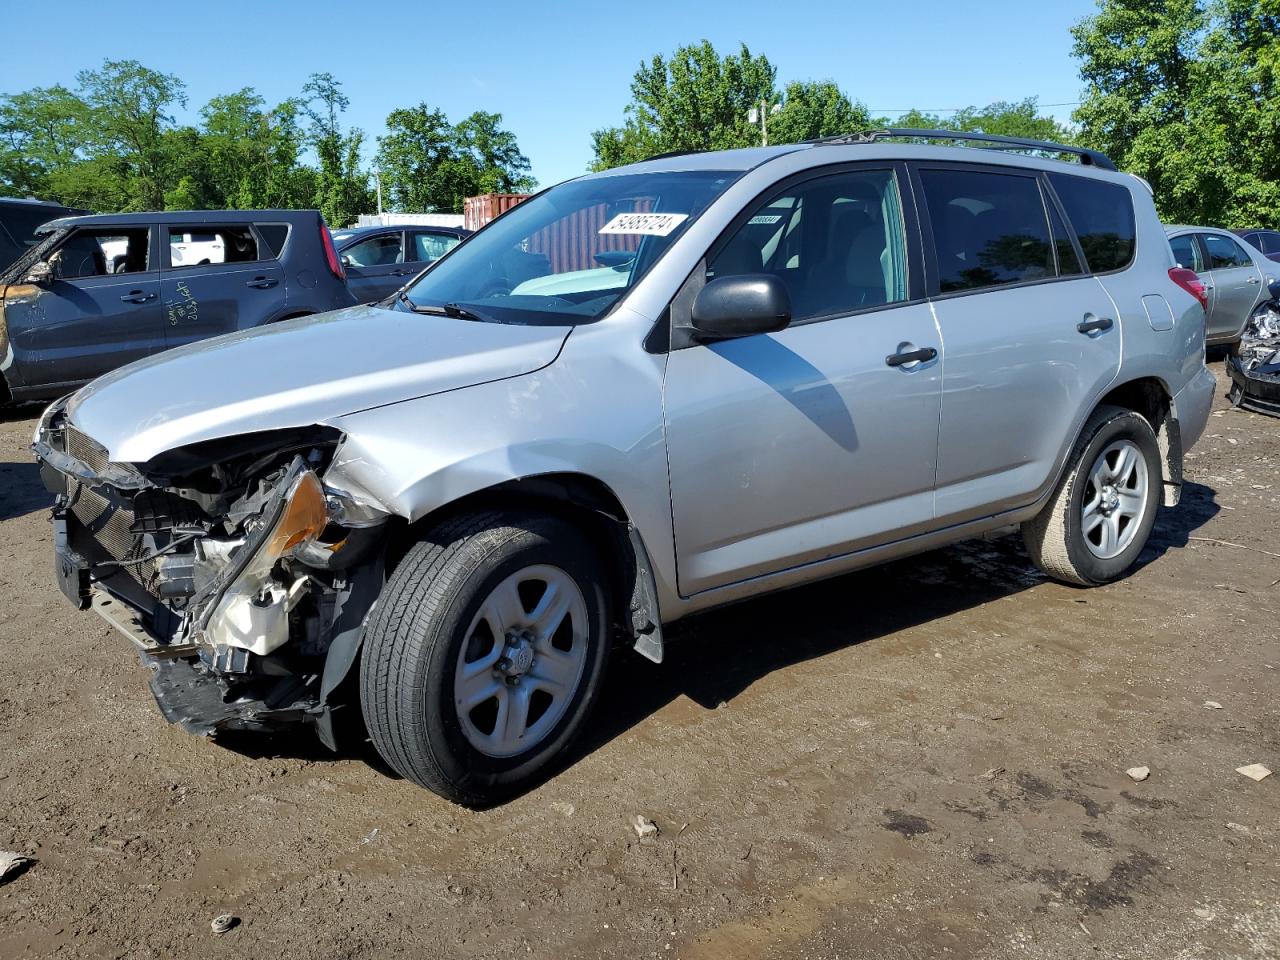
[(377, 179), (762, 112)]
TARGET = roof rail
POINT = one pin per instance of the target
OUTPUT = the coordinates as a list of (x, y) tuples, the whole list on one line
[(1087, 156)]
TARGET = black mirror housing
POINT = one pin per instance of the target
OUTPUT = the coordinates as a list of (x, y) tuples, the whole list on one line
[(741, 306)]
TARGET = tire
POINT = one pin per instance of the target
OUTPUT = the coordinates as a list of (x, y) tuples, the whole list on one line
[(1071, 548), (430, 645)]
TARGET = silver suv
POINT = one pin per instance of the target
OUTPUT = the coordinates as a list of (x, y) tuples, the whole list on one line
[(635, 396)]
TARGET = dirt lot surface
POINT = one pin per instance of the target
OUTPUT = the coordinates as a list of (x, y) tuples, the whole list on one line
[(921, 760)]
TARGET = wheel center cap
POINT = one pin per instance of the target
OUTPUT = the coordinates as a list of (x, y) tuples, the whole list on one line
[(517, 657), (1110, 499)]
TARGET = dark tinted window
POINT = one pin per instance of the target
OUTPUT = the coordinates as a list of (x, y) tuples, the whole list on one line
[(836, 242), (1224, 252), (274, 235), (1187, 252), (988, 228), (1068, 262), (1101, 214)]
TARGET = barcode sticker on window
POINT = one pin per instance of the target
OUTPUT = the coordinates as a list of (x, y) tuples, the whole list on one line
[(764, 218), (646, 224)]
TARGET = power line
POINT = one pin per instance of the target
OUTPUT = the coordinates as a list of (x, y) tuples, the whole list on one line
[(1068, 103)]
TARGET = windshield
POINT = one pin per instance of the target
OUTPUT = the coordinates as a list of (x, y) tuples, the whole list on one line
[(568, 255)]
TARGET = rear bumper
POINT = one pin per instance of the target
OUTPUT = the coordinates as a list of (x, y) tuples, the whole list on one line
[(1192, 405)]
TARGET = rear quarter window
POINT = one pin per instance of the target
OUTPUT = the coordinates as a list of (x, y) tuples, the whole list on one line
[(273, 235), (1101, 214)]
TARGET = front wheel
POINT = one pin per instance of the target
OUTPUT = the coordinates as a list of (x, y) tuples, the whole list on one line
[(1097, 522), (485, 654)]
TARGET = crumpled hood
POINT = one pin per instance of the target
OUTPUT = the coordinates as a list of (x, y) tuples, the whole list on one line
[(298, 373)]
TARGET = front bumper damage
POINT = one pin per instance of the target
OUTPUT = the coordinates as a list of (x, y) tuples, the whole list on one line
[(1255, 367), (243, 583)]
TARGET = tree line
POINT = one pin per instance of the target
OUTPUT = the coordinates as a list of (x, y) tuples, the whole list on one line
[(1185, 93), (697, 99), (112, 143)]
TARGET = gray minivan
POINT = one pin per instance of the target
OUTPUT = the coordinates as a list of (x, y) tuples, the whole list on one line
[(97, 292), (640, 394)]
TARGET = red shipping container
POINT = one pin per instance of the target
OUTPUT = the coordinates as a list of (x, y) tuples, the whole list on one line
[(477, 211)]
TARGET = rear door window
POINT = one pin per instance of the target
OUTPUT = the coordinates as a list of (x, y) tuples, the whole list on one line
[(1101, 214), (989, 229), (196, 246), (427, 246), (1224, 252), (1187, 252)]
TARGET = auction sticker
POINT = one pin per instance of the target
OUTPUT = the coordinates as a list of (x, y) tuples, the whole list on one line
[(646, 224)]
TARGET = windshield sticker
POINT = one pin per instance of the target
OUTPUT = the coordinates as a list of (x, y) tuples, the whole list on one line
[(769, 218), (646, 224)]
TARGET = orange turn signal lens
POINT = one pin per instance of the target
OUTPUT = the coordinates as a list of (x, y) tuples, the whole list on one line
[(304, 518)]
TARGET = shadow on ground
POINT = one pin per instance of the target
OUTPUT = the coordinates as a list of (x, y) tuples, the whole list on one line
[(21, 491), (713, 657)]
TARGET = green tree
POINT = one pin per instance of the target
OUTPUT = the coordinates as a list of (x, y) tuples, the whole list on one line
[(413, 158), (129, 117), (696, 100), (811, 110), (41, 130), (500, 166), (1185, 94), (430, 165), (254, 153), (1002, 118), (342, 187)]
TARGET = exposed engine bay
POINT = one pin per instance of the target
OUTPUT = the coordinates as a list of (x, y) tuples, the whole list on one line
[(1255, 366), (240, 576)]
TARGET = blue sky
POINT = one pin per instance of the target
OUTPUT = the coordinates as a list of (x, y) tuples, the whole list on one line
[(555, 70)]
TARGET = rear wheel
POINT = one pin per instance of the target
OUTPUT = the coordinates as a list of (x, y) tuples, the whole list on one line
[(1097, 522), (485, 654)]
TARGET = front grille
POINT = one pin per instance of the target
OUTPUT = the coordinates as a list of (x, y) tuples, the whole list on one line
[(112, 527), (85, 449)]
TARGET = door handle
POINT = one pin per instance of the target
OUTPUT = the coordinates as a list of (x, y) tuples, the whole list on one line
[(137, 296), (1253, 280), (914, 355), (1097, 323), (262, 283), (401, 273)]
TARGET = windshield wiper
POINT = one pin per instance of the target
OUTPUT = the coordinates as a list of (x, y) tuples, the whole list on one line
[(403, 297), (460, 312), (455, 310)]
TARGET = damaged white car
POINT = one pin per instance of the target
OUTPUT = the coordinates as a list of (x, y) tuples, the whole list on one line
[(635, 396)]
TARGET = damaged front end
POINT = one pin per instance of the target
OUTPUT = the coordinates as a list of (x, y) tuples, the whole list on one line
[(242, 578), (1254, 367)]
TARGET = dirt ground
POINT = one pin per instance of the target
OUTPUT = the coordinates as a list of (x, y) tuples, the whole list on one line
[(920, 760)]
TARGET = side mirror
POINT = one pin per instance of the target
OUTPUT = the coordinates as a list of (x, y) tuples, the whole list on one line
[(346, 261), (741, 306), (39, 273)]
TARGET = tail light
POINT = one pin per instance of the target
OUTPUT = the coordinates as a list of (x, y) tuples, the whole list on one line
[(331, 253), (1190, 281)]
